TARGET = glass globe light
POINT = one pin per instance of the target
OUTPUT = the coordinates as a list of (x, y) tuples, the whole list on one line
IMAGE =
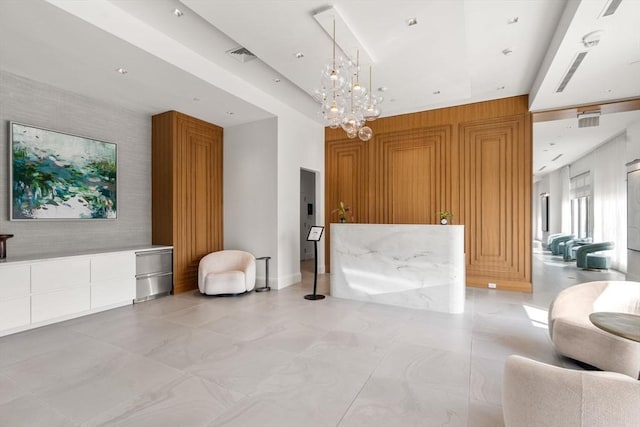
[(365, 133), (352, 135), (371, 113), (351, 123), (332, 77), (376, 99), (320, 95), (334, 124), (359, 92), (333, 109)]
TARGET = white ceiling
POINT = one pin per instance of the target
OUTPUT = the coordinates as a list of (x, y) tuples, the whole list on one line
[(456, 49)]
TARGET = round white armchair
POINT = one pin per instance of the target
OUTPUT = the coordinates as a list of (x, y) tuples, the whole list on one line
[(573, 335), (227, 272)]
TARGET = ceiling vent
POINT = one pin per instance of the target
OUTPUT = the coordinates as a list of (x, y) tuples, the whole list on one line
[(572, 70), (589, 119), (611, 8), (241, 54)]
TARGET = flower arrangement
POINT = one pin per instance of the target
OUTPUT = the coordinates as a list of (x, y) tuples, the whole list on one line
[(342, 211)]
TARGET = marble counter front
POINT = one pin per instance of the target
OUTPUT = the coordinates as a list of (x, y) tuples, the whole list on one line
[(414, 266)]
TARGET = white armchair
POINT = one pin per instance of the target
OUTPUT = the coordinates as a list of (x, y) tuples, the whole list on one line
[(539, 395), (573, 335), (227, 272)]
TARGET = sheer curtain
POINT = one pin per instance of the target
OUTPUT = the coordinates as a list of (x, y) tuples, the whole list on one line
[(610, 198)]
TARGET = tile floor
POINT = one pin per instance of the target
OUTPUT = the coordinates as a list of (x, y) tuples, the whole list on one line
[(275, 359)]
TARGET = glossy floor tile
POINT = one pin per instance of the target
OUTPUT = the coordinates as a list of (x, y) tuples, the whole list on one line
[(276, 359)]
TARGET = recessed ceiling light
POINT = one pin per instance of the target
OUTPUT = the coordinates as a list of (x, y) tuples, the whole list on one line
[(513, 20), (507, 52), (122, 71), (592, 39), (436, 92), (299, 55), (178, 12), (196, 99), (230, 113), (500, 88), (552, 144), (412, 21), (276, 80), (382, 89)]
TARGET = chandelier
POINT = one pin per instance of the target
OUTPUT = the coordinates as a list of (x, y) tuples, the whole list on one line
[(345, 102)]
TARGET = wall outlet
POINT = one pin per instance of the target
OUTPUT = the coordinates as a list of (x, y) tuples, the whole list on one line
[(492, 285)]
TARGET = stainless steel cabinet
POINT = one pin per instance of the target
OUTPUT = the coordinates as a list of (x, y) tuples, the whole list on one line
[(154, 274)]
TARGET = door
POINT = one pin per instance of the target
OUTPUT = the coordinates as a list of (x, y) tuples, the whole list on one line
[(307, 211)]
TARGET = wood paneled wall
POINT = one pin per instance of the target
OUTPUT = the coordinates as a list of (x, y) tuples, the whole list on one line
[(186, 192), (474, 160)]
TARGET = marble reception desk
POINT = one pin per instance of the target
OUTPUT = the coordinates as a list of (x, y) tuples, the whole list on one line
[(414, 266)]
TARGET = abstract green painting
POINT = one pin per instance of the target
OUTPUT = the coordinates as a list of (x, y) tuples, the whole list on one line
[(60, 176)]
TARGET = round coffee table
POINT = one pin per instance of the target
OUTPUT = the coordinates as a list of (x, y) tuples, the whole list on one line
[(625, 325)]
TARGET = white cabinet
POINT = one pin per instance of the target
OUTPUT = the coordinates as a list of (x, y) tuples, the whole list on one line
[(63, 273), (59, 288), (62, 303), (15, 312), (38, 292), (15, 281), (15, 303), (113, 279)]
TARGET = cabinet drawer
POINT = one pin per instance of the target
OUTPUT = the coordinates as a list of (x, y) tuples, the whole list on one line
[(112, 292), (59, 303), (113, 266), (47, 276), (15, 281), (15, 312), (154, 262)]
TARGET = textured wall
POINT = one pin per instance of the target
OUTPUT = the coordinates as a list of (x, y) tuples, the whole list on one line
[(26, 101)]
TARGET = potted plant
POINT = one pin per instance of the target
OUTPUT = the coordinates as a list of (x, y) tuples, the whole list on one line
[(445, 217), (342, 212)]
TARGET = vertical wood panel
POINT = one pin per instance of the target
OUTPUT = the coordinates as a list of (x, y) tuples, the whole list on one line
[(413, 169), (474, 160), (196, 185), (494, 202), (346, 180)]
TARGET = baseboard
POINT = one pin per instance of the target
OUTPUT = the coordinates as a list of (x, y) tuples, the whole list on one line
[(286, 281)]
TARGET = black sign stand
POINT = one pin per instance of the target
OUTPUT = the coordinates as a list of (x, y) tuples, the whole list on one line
[(315, 233)]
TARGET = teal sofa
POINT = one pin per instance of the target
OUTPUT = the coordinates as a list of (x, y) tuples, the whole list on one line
[(555, 244), (568, 249), (589, 256)]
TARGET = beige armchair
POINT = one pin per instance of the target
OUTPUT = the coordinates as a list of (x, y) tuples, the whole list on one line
[(573, 335), (228, 272), (539, 395)]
